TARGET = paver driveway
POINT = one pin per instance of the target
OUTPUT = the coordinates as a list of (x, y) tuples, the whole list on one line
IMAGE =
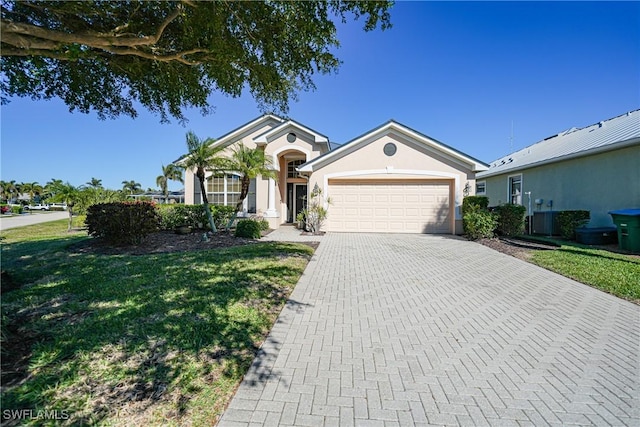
[(428, 330)]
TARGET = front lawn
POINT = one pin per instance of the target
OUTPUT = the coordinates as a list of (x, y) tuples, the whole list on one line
[(159, 339), (611, 272)]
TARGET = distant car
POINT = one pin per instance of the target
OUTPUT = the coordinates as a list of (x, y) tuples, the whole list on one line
[(38, 207), (62, 206)]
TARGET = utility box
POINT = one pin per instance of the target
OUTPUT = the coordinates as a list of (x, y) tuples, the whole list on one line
[(628, 223), (546, 222)]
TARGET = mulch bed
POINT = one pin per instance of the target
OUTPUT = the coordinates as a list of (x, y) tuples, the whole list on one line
[(166, 242), (515, 247)]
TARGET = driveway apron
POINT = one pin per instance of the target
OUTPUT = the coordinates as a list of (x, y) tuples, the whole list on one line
[(395, 330)]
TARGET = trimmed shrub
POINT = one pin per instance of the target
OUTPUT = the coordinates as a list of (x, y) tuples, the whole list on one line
[(264, 224), (222, 215), (17, 209), (122, 223), (476, 229), (478, 223), (172, 216), (510, 219), (481, 201), (568, 221), (193, 215), (249, 228)]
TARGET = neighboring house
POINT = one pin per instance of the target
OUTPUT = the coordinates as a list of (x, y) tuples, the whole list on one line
[(158, 196), (596, 168), (391, 179)]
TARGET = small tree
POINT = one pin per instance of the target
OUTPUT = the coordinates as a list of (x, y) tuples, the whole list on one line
[(131, 187), (249, 163), (315, 213), (70, 195), (202, 156), (171, 172)]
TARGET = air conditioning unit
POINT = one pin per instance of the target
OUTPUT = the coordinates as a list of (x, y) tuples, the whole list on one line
[(546, 223)]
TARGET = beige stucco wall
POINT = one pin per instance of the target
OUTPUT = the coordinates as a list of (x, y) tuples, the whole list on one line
[(280, 151), (598, 183), (411, 160)]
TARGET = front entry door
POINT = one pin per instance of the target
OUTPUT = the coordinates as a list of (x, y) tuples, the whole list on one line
[(296, 200)]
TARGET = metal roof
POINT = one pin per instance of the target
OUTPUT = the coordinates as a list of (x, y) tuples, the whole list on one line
[(607, 135)]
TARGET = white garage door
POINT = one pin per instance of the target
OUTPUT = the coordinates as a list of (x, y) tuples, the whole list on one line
[(402, 206)]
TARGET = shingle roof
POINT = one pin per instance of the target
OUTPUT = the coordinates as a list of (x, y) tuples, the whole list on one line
[(607, 135)]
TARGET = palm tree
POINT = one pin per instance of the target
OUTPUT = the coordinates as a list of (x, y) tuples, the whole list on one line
[(4, 190), (70, 195), (249, 163), (52, 187), (202, 157), (10, 188), (95, 183), (171, 172), (31, 188), (131, 187)]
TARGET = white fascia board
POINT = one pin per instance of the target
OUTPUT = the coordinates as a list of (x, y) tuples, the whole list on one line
[(265, 137), (233, 135)]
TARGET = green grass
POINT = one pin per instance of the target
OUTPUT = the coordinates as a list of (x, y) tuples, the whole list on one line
[(147, 340), (615, 273)]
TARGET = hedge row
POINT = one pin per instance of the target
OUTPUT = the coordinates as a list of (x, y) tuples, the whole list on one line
[(172, 216), (480, 221), (128, 223), (568, 221)]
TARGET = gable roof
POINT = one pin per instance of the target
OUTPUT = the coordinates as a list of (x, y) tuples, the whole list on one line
[(267, 136), (386, 128), (612, 134)]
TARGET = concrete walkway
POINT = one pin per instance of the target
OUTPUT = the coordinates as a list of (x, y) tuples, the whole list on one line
[(399, 330)]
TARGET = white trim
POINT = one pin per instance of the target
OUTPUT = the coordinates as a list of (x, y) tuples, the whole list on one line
[(276, 164), (389, 170), (264, 138), (245, 202), (484, 193), (232, 137), (509, 195)]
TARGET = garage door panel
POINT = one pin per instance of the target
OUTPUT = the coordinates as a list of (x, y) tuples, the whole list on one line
[(397, 207)]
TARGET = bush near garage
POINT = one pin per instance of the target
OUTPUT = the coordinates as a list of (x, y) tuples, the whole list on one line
[(510, 219), (481, 201), (122, 223), (568, 221), (478, 222)]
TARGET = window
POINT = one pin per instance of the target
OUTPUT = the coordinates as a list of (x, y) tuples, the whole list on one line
[(515, 189), (291, 168), (223, 190), (481, 188)]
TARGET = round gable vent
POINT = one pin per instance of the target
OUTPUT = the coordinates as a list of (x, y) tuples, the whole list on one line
[(390, 149), (292, 137)]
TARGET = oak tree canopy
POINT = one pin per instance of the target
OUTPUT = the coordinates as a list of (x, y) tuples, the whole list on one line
[(106, 56)]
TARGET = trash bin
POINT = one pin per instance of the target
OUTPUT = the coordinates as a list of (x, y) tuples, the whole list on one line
[(628, 223)]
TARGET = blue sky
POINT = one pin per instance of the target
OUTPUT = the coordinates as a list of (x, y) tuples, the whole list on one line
[(460, 72)]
